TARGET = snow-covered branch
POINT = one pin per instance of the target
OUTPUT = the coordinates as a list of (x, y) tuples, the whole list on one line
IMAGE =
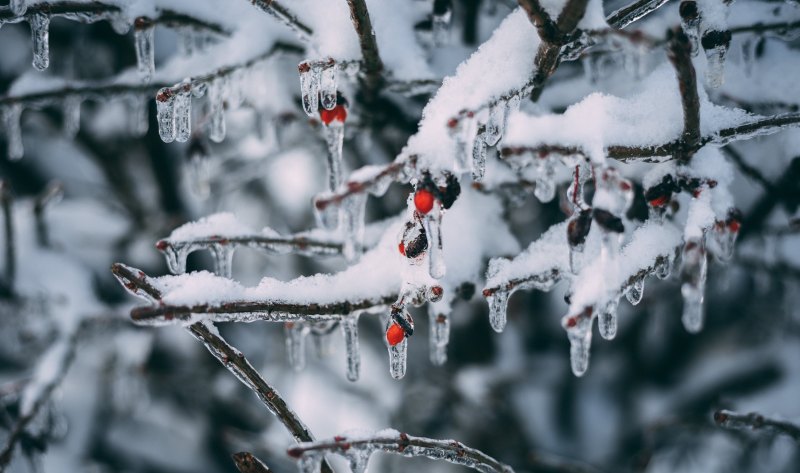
[(373, 66), (756, 421), (358, 449), (284, 15)]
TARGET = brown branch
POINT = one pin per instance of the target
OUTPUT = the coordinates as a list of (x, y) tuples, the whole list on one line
[(547, 28), (298, 244), (373, 66), (527, 282), (99, 92), (410, 446), (284, 15), (756, 421), (390, 171), (10, 271), (679, 53), (246, 462)]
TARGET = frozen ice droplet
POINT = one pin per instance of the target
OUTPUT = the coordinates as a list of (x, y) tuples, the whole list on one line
[(495, 124), (327, 86), (165, 110), (309, 87), (350, 330), (12, 115), (18, 7), (579, 332), (143, 37), (636, 291), (40, 34), (433, 228), (296, 333), (310, 462), (498, 306), (398, 355), (223, 259), (441, 28), (71, 107), (351, 225), (216, 100), (545, 189), (478, 158), (439, 335), (334, 138), (138, 119), (693, 284), (183, 116), (715, 72), (607, 319)]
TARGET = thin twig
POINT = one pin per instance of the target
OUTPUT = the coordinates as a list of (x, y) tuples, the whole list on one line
[(297, 244), (52, 193), (373, 66), (352, 187), (409, 446), (679, 53), (284, 15), (10, 272), (755, 421), (99, 92), (246, 462)]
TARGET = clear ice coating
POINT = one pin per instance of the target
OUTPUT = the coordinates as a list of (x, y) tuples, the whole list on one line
[(691, 28), (479, 149), (334, 138), (11, 120), (693, 276), (545, 188), (327, 86), (607, 319), (351, 225), (310, 462), (138, 120), (223, 259), (398, 353), (723, 240), (183, 116), (663, 268), (18, 7), (636, 291), (296, 333), (433, 228), (165, 110), (496, 123), (580, 341), (71, 107), (216, 100), (439, 335), (715, 72), (309, 87), (498, 306), (200, 175), (175, 256), (143, 37), (40, 34), (350, 330)]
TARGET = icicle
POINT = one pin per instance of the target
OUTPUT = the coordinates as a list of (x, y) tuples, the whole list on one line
[(716, 43), (350, 329), (723, 238), (12, 115), (322, 339), (183, 116), (439, 335), (358, 457), (223, 259), (309, 87), (579, 332), (433, 228), (18, 7), (216, 99), (143, 35), (176, 258), (40, 33), (138, 119), (663, 268), (165, 111), (327, 86), (458, 131), (310, 462), (749, 46), (693, 275), (478, 158), (200, 175), (71, 107), (398, 353), (498, 306), (636, 291), (607, 319), (496, 123), (296, 344), (352, 225), (236, 84), (441, 28), (334, 137), (592, 65), (545, 189)]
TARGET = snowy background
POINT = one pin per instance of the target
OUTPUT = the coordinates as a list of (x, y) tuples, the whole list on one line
[(235, 154)]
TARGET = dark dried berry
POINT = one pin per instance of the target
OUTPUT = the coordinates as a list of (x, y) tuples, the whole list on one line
[(660, 194), (715, 38), (450, 192), (608, 221), (688, 10), (578, 228), (418, 245)]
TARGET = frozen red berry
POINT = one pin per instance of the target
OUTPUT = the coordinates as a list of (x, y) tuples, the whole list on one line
[(337, 113), (423, 201), (659, 201), (402, 248), (395, 334)]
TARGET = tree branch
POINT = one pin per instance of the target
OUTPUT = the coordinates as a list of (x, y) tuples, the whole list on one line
[(246, 462), (679, 53), (755, 421), (373, 66), (377, 180), (409, 446), (284, 15)]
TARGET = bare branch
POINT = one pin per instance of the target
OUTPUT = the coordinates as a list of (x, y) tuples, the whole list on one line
[(10, 271), (680, 55), (297, 244), (284, 15), (246, 462), (409, 446), (236, 363), (755, 421), (52, 193), (392, 171), (99, 92), (548, 30), (373, 66)]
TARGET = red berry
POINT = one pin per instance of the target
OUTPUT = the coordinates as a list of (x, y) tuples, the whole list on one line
[(572, 322), (423, 200), (659, 201), (395, 334), (402, 248), (734, 225), (338, 113)]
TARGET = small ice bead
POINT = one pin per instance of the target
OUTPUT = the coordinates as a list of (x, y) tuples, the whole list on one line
[(12, 115), (18, 7), (183, 116), (40, 33), (635, 291), (328, 87), (216, 99), (498, 307), (143, 36), (607, 319), (350, 331), (398, 355), (165, 107)]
